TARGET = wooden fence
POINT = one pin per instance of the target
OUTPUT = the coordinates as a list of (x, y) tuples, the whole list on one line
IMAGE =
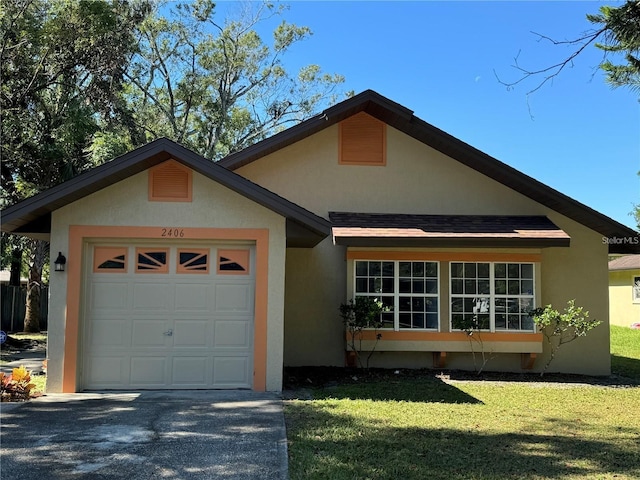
[(14, 305)]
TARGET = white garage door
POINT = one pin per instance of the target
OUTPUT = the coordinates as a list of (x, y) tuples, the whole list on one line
[(168, 316)]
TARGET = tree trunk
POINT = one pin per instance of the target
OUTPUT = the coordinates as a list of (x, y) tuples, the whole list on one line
[(16, 267), (39, 250)]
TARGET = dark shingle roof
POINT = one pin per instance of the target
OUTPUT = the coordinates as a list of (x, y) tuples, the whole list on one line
[(376, 229), (402, 119)]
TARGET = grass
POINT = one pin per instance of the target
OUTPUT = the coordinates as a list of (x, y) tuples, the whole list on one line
[(625, 352), (416, 428)]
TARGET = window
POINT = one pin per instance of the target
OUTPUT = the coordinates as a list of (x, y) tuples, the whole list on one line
[(110, 259), (498, 295), (152, 260), (193, 261), (233, 262), (407, 289), (636, 289)]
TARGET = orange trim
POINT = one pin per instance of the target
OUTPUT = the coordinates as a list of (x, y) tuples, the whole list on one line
[(161, 268), (78, 234), (170, 182), (241, 257), (527, 360), (184, 268), (362, 140), (444, 256), (423, 336), (104, 254)]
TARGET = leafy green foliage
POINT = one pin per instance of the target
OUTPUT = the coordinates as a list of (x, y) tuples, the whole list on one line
[(560, 328), (358, 315), (472, 326)]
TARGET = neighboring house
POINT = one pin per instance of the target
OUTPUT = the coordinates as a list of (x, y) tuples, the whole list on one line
[(183, 273), (624, 290)]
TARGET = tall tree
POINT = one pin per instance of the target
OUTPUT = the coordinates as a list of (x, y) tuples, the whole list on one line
[(61, 67), (215, 85), (616, 32)]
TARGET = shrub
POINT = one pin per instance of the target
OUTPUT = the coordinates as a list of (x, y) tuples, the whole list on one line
[(357, 315), (16, 386)]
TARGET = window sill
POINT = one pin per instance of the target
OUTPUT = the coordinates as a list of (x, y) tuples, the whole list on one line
[(430, 341)]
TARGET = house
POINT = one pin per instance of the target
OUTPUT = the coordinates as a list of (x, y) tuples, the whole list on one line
[(624, 290), (183, 273)]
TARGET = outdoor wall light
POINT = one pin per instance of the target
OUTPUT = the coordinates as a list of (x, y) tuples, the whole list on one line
[(60, 262)]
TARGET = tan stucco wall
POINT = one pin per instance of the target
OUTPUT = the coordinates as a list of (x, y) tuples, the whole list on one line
[(417, 179), (622, 310), (126, 204)]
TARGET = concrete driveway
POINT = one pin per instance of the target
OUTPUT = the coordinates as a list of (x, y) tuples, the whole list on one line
[(135, 436)]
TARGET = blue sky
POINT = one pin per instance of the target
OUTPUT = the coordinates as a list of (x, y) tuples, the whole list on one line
[(438, 59)]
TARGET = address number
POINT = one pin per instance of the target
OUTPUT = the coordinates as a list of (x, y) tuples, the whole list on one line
[(173, 232)]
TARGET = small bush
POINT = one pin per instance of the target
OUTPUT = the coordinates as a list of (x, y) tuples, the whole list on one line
[(16, 386)]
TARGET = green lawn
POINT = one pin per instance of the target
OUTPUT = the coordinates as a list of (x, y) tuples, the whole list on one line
[(625, 352), (426, 428)]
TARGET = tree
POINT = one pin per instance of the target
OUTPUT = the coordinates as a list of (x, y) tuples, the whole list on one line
[(61, 66), (358, 315), (217, 87), (616, 33)]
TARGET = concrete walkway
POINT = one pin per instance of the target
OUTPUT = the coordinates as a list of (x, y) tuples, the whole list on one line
[(148, 435)]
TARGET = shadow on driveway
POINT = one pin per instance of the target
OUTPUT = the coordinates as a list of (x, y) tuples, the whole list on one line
[(168, 435)]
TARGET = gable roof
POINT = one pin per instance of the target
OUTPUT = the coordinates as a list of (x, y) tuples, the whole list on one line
[(32, 217), (404, 120), (628, 262)]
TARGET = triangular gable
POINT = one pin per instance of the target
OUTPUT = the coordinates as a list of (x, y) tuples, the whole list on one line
[(32, 217), (404, 120)]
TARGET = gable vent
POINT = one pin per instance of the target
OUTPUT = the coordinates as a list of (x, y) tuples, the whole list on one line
[(170, 182), (362, 141)]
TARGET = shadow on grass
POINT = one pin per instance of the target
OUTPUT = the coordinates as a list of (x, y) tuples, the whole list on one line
[(367, 450), (626, 367)]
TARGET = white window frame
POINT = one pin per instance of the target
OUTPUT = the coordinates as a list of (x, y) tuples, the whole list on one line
[(492, 295), (396, 293), (635, 289)]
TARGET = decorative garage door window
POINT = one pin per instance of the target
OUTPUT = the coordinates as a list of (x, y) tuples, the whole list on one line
[(233, 262), (407, 289), (110, 259), (152, 260), (492, 296), (194, 260)]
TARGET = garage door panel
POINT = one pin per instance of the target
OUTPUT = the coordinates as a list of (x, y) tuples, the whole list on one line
[(109, 296), (191, 371), (148, 371), (191, 333), (109, 332), (232, 334), (150, 333), (151, 296), (108, 371), (192, 297), (231, 372), (231, 297)]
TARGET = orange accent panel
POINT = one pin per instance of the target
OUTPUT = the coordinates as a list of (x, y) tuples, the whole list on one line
[(241, 257), (439, 359), (362, 140), (184, 268), (445, 256), (103, 254), (528, 359), (78, 234), (161, 268), (406, 335), (170, 182)]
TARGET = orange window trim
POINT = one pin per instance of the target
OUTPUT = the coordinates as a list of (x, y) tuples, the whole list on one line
[(200, 252), (445, 256), (241, 257), (79, 234), (104, 254), (362, 140), (170, 182), (160, 268), (449, 336)]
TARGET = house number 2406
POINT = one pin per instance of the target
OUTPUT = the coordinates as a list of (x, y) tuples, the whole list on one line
[(173, 232)]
